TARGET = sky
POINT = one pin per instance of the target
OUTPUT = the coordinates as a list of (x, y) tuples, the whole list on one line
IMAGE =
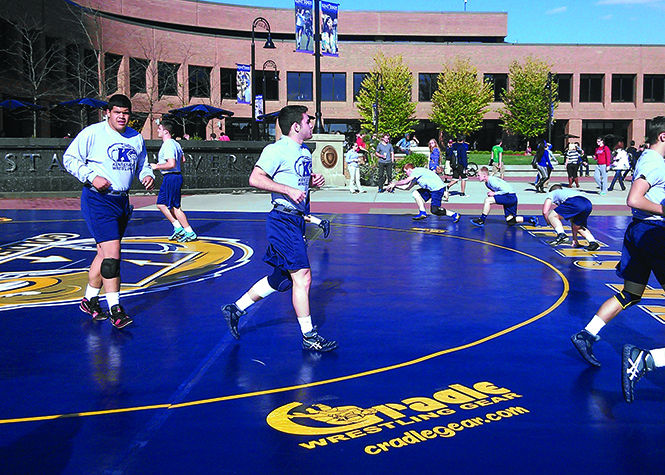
[(537, 21)]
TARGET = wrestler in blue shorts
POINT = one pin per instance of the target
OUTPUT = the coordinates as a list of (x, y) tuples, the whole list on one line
[(285, 169), (566, 203), (500, 192), (643, 252)]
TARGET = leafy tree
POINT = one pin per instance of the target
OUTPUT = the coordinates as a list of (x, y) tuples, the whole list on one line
[(527, 101), (389, 84), (461, 100)]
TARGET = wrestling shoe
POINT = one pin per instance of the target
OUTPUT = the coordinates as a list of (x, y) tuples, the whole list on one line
[(478, 222), (312, 341), (593, 246), (532, 220), (119, 318), (419, 216), (177, 234), (635, 362), (583, 341), (232, 316), (324, 225), (456, 217), (561, 238), (188, 237), (92, 307)]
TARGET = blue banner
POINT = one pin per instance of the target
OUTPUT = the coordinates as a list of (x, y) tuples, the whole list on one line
[(329, 29), (258, 103), (304, 26), (244, 83)]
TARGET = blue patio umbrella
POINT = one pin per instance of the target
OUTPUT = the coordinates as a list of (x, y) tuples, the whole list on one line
[(84, 101), (204, 111), (14, 105), (269, 115)]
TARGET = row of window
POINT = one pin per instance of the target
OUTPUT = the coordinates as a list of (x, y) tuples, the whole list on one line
[(299, 85)]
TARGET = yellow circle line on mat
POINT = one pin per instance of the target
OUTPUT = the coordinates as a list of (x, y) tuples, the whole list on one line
[(562, 297)]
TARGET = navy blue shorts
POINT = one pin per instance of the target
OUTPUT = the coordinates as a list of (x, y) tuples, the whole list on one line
[(169, 192), (435, 196), (577, 209), (106, 215), (286, 242), (642, 253), (509, 203)]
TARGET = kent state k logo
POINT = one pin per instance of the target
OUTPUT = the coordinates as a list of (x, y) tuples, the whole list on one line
[(52, 268), (120, 152), (304, 166)]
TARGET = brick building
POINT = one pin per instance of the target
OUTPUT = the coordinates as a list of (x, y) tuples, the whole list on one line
[(169, 53)]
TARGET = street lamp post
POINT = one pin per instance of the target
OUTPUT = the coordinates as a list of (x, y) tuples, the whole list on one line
[(263, 23), (318, 124), (378, 87), (268, 64), (550, 112)]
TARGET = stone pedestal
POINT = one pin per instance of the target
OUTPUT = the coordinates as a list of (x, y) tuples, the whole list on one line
[(328, 157)]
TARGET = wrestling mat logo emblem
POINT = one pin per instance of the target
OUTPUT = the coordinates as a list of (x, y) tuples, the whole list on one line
[(320, 419), (53, 268)]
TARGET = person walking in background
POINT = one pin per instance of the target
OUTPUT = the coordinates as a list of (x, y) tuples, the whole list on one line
[(603, 157), (572, 163), (543, 165), (353, 165), (496, 159), (386, 155), (169, 162), (459, 151), (434, 156), (105, 157), (620, 165)]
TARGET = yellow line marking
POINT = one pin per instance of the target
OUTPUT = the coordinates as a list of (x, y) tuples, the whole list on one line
[(559, 301)]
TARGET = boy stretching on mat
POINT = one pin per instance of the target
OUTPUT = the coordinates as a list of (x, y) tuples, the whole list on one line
[(643, 252), (500, 193), (431, 187), (570, 205), (285, 169)]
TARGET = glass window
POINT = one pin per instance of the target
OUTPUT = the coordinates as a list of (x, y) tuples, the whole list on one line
[(591, 87), (427, 83), (654, 88), (298, 86), (333, 87), (111, 68), (199, 81), (167, 77), (564, 84), (228, 81), (271, 84), (499, 84), (358, 79), (623, 87), (137, 73)]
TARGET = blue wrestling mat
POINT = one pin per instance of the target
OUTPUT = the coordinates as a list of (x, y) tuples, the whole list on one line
[(454, 354)]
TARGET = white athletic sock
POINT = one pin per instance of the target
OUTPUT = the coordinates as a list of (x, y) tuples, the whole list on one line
[(314, 220), (244, 302), (595, 325), (559, 230), (189, 229), (112, 298), (176, 224), (658, 356), (262, 288), (91, 292), (305, 324)]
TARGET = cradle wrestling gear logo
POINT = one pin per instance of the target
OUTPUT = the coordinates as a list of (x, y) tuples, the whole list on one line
[(52, 268)]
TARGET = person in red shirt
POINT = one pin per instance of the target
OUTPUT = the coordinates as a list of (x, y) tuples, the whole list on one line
[(603, 158)]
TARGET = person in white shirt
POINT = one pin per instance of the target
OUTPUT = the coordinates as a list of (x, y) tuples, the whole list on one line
[(105, 157), (353, 165)]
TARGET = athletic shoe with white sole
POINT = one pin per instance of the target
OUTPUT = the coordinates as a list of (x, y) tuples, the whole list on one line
[(177, 234), (312, 341), (119, 318), (188, 237), (635, 363), (93, 308), (561, 238)]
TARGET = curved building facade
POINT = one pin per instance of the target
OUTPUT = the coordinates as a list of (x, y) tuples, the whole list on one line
[(170, 53)]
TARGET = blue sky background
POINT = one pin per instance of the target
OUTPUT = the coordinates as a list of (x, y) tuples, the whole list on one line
[(538, 21)]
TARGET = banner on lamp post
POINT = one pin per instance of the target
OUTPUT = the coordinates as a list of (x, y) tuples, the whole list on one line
[(244, 84), (329, 16), (304, 26)]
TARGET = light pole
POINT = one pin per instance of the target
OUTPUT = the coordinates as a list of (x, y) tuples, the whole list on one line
[(268, 64), (550, 112), (263, 23), (318, 124), (378, 87)]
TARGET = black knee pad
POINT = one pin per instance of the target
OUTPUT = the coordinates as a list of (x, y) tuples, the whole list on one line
[(438, 211), (280, 280), (110, 268), (626, 299), (512, 221)]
